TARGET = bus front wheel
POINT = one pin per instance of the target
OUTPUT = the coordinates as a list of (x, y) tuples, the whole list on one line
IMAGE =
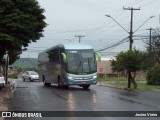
[(85, 86), (60, 83)]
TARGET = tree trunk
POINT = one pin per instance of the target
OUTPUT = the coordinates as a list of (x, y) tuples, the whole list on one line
[(133, 79), (129, 79)]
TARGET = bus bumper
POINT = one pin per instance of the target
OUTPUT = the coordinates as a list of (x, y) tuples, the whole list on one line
[(82, 82)]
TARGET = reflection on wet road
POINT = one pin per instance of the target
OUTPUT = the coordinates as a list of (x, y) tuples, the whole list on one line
[(33, 96)]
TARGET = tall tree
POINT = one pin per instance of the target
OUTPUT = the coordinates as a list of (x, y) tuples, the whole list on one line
[(153, 57), (131, 60), (155, 45), (21, 22)]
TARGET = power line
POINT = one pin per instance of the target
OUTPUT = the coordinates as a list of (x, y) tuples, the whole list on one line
[(114, 45), (148, 3), (136, 2)]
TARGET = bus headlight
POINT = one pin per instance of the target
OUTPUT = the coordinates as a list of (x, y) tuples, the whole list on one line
[(70, 77), (94, 77)]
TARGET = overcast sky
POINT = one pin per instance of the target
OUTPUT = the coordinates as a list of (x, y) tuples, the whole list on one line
[(67, 18)]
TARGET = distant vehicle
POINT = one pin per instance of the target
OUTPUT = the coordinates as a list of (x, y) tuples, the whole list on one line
[(2, 81), (30, 75), (66, 65)]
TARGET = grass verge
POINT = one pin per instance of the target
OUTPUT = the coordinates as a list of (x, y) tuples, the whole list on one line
[(123, 83)]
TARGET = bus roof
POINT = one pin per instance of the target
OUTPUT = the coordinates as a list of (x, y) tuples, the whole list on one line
[(77, 46), (70, 47)]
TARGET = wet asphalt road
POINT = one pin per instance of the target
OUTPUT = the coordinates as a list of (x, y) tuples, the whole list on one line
[(33, 96)]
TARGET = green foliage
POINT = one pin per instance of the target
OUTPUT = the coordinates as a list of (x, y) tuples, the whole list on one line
[(23, 64), (155, 45), (130, 60), (21, 22), (14, 75), (148, 61), (153, 59), (153, 76)]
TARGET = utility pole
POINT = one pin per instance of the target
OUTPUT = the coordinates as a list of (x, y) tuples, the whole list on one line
[(79, 36), (150, 38), (131, 41), (131, 26), (159, 18)]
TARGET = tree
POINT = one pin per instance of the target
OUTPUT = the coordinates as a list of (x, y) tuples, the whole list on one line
[(153, 76), (153, 53), (155, 45), (131, 61), (21, 22)]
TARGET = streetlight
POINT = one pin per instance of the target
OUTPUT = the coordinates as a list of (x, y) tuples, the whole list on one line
[(117, 22), (131, 33), (143, 23), (130, 36)]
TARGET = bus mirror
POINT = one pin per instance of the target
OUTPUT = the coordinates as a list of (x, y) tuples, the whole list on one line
[(64, 57), (99, 56)]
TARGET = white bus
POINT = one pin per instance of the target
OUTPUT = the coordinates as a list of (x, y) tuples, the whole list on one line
[(68, 64)]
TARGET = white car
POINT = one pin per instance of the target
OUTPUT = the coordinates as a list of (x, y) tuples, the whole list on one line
[(2, 81), (30, 75)]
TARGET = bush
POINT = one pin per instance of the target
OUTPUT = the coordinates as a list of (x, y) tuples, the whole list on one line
[(153, 76), (14, 75)]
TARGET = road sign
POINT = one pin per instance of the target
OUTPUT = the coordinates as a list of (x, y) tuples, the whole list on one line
[(101, 70)]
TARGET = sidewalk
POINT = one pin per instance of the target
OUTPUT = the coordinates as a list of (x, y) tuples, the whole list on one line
[(4, 99)]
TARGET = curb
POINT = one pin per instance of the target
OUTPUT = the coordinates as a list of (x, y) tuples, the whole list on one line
[(112, 86)]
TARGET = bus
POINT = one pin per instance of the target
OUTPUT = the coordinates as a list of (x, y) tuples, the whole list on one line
[(68, 64)]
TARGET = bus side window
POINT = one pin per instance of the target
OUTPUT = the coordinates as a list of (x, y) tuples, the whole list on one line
[(54, 56), (61, 57)]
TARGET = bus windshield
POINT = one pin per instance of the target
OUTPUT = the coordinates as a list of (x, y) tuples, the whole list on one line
[(81, 61)]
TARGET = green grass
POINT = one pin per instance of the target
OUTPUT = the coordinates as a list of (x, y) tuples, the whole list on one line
[(145, 86), (122, 82)]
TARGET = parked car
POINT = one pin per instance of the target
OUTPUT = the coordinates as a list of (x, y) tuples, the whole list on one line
[(2, 81), (30, 75)]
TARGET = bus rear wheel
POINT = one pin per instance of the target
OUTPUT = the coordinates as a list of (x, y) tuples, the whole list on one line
[(60, 83), (85, 86), (44, 82)]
